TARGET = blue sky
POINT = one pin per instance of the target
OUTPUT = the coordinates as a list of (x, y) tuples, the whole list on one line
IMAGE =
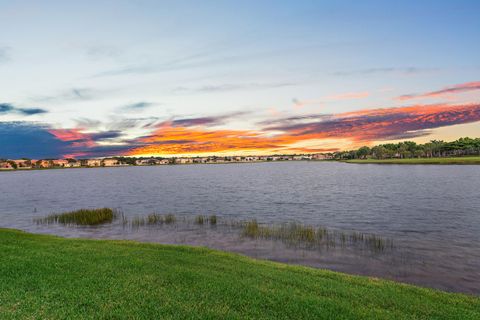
[(111, 77)]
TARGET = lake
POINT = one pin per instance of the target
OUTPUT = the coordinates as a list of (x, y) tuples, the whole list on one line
[(432, 212)]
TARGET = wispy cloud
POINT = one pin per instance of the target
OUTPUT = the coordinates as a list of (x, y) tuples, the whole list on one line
[(179, 63), (97, 52), (6, 108), (385, 70), (204, 121), (137, 106), (73, 94), (233, 87), (339, 97), (459, 88)]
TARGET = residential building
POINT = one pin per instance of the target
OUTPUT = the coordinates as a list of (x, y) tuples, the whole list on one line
[(111, 162), (60, 163), (93, 162), (4, 165)]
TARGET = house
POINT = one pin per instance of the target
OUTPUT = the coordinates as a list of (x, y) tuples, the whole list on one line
[(184, 160), (73, 164), (200, 160), (5, 165), (319, 156), (44, 163), (93, 162), (150, 162), (60, 163), (23, 164), (111, 162)]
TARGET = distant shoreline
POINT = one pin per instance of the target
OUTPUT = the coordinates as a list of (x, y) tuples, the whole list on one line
[(475, 160), (159, 165)]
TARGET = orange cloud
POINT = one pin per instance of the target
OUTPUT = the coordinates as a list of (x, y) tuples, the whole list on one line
[(185, 140), (349, 95), (358, 127), (460, 88), (382, 124)]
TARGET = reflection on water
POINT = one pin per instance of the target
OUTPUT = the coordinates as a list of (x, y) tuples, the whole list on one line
[(431, 212)]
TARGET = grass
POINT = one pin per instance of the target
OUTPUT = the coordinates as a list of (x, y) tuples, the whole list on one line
[(200, 219), (152, 219), (310, 236), (452, 160), (212, 219), (82, 217), (47, 277)]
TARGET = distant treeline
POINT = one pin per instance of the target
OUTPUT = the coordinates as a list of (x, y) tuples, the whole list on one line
[(409, 149)]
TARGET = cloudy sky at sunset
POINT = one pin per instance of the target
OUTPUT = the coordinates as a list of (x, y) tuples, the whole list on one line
[(103, 78)]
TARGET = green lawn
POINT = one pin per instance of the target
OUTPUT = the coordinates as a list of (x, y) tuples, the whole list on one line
[(453, 160), (46, 277)]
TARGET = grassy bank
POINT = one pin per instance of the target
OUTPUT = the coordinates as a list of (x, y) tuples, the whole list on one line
[(55, 278), (456, 160)]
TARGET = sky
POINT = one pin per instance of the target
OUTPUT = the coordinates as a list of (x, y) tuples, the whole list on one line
[(185, 78)]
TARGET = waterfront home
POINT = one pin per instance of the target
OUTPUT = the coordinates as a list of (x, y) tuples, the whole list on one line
[(23, 164), (73, 164), (149, 162), (184, 160), (111, 162), (200, 160), (60, 163), (93, 162), (321, 156), (44, 164), (5, 165)]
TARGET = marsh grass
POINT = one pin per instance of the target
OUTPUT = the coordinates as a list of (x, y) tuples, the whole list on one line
[(200, 219), (152, 219), (212, 219), (82, 217), (306, 236), (170, 219), (309, 236)]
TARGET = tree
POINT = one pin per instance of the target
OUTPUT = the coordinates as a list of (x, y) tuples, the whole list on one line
[(363, 152)]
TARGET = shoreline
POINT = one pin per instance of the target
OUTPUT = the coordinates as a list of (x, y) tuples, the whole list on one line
[(160, 165), (213, 279), (473, 160)]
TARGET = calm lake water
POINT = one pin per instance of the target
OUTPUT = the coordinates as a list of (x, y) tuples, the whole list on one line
[(431, 212)]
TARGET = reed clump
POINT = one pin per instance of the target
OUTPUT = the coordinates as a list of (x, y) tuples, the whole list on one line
[(82, 217), (294, 233), (170, 219), (212, 219), (200, 219), (153, 219)]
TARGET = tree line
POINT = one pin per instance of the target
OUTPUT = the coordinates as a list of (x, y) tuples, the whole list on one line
[(409, 149)]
